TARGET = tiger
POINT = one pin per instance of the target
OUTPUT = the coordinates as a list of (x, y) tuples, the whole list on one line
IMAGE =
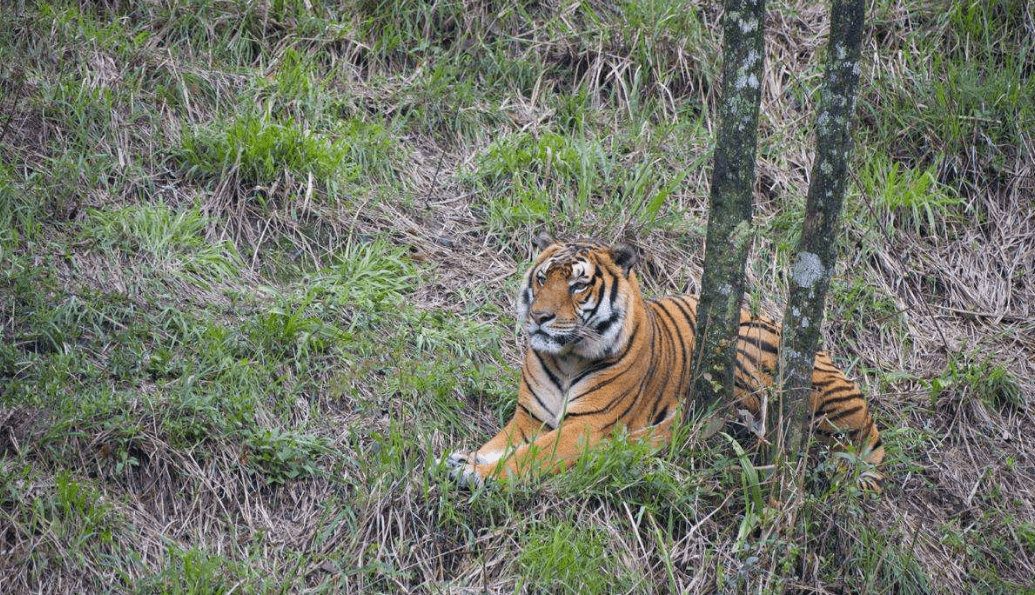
[(602, 359)]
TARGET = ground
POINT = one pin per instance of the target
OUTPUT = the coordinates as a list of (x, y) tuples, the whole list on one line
[(257, 264)]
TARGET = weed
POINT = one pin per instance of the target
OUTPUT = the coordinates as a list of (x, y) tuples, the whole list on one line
[(984, 380), (172, 242), (270, 159), (278, 456), (913, 200), (560, 558), (192, 572), (631, 473), (368, 276), (549, 177), (956, 102)]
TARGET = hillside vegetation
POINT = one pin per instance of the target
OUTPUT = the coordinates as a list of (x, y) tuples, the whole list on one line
[(257, 261)]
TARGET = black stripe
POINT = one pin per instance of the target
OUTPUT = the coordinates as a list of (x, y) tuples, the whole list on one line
[(654, 410), (665, 378), (688, 339), (761, 323), (877, 444), (660, 417), (603, 364), (549, 374), (825, 433), (598, 366), (614, 289), (659, 306), (596, 275), (825, 407), (675, 325), (826, 383), (738, 382), (687, 314), (845, 413), (628, 343), (819, 365), (669, 332), (632, 403), (691, 324), (608, 381), (750, 357), (596, 306), (609, 406), (748, 374), (603, 326), (524, 379), (759, 342), (645, 381), (839, 390), (534, 417), (529, 413)]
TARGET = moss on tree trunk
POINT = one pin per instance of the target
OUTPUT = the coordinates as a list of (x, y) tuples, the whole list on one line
[(729, 214)]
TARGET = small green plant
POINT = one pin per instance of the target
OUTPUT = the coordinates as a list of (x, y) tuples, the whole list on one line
[(173, 242), (368, 275), (989, 382), (270, 159), (282, 456), (290, 332), (192, 572), (912, 199), (618, 470), (559, 557)]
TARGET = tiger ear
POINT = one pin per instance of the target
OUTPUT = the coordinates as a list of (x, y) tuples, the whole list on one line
[(624, 256), (543, 241)]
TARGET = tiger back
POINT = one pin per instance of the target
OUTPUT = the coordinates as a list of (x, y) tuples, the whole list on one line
[(600, 357)]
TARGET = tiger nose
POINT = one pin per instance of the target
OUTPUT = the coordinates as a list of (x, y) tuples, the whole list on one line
[(540, 316)]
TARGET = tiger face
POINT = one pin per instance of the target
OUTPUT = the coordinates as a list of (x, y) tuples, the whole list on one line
[(575, 299)]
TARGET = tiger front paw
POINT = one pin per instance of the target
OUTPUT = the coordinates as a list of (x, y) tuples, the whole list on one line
[(464, 469), (872, 481)]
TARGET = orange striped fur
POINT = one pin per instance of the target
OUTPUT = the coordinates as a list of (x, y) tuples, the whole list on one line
[(602, 358)]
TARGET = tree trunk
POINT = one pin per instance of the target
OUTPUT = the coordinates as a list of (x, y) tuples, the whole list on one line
[(816, 253), (729, 214)]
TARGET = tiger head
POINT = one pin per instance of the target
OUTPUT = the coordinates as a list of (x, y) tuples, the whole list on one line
[(577, 298)]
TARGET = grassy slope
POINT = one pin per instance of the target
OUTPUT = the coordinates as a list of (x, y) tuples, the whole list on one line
[(256, 261)]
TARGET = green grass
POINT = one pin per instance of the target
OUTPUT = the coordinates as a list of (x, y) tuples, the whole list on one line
[(910, 199), (282, 160), (956, 103), (190, 572), (557, 557), (984, 380), (561, 181)]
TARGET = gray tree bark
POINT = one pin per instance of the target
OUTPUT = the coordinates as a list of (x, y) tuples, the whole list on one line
[(816, 253), (729, 213)]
